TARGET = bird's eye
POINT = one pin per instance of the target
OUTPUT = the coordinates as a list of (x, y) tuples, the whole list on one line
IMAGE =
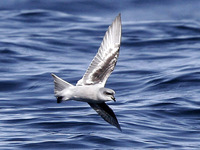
[(107, 93)]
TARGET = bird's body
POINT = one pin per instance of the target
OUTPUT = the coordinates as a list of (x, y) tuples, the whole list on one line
[(91, 88), (83, 93), (87, 93)]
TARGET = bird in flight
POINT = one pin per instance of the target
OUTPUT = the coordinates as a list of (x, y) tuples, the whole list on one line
[(91, 88)]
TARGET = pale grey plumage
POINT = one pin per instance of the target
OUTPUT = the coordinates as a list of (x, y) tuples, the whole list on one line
[(91, 87), (105, 60)]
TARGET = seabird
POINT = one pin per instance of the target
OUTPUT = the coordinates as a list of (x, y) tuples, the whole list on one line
[(91, 88)]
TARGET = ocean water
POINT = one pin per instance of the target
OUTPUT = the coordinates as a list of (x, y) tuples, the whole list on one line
[(156, 79)]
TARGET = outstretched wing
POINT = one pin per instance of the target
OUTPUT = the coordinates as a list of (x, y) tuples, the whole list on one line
[(106, 113), (105, 60)]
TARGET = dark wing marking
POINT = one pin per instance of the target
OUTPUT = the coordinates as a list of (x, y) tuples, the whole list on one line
[(106, 113)]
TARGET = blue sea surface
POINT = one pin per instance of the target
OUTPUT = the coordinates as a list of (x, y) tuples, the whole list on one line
[(156, 79)]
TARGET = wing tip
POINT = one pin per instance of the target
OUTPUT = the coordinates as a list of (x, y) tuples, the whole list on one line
[(119, 17), (118, 127)]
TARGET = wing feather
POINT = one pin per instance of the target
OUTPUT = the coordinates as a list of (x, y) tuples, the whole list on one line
[(106, 113), (106, 58)]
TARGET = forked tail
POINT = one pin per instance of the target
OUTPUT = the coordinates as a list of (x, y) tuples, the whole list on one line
[(60, 86)]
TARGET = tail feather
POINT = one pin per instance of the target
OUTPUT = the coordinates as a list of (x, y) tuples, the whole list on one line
[(59, 99), (60, 85)]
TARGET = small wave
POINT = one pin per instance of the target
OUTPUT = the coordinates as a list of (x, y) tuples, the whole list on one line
[(190, 80), (10, 85)]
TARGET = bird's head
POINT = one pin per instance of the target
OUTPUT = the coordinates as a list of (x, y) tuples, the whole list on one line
[(106, 94)]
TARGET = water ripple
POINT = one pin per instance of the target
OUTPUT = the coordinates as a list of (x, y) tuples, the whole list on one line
[(156, 78)]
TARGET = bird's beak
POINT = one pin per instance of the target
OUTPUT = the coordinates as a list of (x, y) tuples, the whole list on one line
[(113, 98)]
